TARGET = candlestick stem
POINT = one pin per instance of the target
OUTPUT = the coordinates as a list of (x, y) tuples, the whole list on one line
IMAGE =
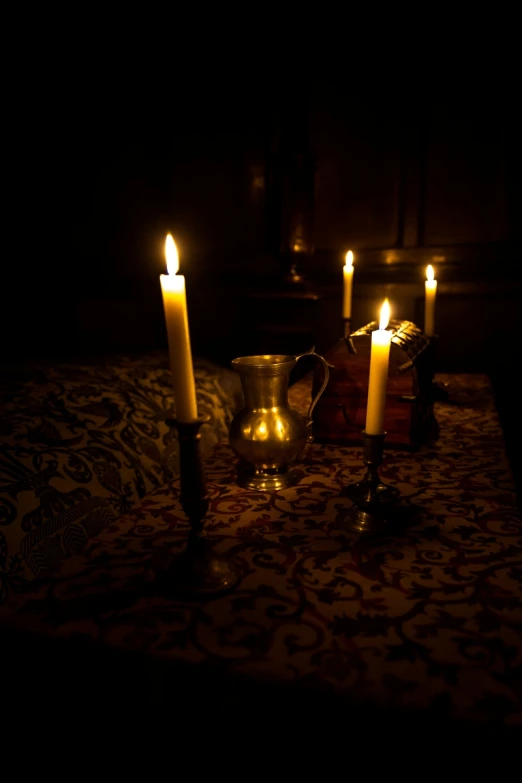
[(347, 327), (438, 392), (198, 570), (373, 500)]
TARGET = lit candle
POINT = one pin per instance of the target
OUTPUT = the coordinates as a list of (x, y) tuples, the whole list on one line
[(176, 317), (429, 305), (348, 280), (379, 360)]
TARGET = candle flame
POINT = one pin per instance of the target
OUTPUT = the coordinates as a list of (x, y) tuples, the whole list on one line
[(349, 258), (171, 253), (385, 315), (430, 274)]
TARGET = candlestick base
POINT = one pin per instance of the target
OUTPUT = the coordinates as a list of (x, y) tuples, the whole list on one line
[(374, 501), (198, 570)]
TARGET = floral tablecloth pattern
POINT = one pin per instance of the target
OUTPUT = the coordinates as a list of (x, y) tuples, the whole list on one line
[(429, 613), (83, 442)]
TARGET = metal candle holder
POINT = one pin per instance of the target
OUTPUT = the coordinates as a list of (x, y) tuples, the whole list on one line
[(197, 570), (438, 392), (373, 500)]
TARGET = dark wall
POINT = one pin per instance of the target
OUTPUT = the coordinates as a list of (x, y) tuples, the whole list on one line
[(238, 169), (428, 172)]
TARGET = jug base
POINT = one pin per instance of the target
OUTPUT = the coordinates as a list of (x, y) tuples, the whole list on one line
[(267, 480)]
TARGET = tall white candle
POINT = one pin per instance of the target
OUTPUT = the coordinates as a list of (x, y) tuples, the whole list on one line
[(348, 281), (379, 360), (176, 317), (429, 304)]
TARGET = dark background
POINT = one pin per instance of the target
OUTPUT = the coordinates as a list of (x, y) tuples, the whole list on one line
[(237, 166)]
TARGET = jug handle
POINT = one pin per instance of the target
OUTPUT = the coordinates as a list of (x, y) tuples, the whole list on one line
[(327, 367)]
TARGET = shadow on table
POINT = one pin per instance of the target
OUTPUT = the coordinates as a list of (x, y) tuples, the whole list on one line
[(131, 703)]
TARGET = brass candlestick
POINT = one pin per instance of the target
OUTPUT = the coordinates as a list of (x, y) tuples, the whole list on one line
[(198, 570), (373, 499)]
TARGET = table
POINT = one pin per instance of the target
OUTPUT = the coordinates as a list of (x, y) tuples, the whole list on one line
[(421, 628)]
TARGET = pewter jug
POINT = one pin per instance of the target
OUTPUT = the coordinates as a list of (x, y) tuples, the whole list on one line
[(268, 435)]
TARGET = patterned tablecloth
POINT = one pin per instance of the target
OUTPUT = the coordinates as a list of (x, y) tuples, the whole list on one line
[(427, 618)]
